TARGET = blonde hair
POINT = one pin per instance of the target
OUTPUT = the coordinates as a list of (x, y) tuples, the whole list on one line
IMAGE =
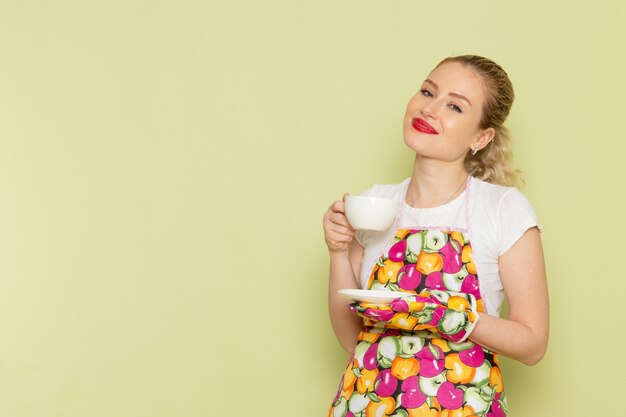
[(492, 163)]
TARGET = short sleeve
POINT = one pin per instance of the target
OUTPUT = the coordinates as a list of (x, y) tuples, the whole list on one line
[(515, 217)]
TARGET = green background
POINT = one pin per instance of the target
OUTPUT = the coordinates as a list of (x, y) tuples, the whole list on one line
[(164, 169)]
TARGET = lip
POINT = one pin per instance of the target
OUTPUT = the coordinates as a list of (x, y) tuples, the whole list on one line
[(422, 126)]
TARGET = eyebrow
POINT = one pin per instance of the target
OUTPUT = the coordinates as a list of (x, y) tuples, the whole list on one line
[(462, 97)]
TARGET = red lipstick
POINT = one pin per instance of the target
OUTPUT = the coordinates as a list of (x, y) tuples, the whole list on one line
[(422, 126)]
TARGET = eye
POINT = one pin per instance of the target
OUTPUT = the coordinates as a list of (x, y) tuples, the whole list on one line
[(455, 108), (426, 93)]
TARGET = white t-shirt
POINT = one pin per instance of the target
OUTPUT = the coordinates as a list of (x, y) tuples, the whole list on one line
[(498, 217)]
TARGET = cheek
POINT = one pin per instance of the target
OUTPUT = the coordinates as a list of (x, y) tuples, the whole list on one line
[(461, 128), (407, 122), (413, 104), (457, 136)]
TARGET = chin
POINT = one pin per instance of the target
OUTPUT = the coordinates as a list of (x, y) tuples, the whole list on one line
[(413, 139), (412, 145)]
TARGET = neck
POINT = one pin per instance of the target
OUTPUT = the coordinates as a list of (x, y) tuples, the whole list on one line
[(435, 183)]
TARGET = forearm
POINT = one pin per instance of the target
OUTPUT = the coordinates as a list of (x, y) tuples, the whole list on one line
[(524, 334), (346, 325), (511, 338)]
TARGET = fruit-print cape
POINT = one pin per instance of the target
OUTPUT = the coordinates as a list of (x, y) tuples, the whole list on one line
[(413, 357)]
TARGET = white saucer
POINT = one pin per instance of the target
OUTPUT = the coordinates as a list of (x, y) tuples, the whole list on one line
[(373, 296)]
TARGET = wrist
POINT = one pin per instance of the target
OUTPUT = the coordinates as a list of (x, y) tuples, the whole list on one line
[(338, 254)]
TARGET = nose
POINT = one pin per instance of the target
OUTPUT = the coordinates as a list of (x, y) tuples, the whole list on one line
[(429, 109)]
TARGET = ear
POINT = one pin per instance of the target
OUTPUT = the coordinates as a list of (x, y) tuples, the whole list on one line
[(483, 138)]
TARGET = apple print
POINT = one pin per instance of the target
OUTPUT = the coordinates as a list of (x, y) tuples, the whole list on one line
[(430, 386), (434, 281), (454, 281), (457, 347), (409, 278), (496, 410), (449, 396), (441, 296), (357, 402), (481, 378), (385, 383), (452, 260), (340, 408), (434, 241), (432, 361), (498, 407), (388, 349), (415, 243), (470, 286), (474, 356), (411, 345), (477, 399), (400, 305), (427, 297), (378, 315), (369, 358), (426, 316), (397, 251), (438, 315), (412, 397), (359, 351), (452, 322), (417, 389)]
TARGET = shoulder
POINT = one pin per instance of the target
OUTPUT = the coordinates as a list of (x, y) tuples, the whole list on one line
[(494, 194), (506, 211), (391, 191), (499, 198)]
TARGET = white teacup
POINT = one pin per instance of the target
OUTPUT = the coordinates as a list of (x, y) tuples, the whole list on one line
[(370, 213)]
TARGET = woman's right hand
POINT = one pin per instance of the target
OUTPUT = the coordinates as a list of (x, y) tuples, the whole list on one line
[(337, 231)]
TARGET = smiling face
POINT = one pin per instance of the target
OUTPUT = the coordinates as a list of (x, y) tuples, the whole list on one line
[(442, 119)]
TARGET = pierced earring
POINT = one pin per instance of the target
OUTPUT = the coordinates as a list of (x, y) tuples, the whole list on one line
[(474, 151)]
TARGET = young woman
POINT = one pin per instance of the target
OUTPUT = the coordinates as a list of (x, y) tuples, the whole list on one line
[(463, 237)]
